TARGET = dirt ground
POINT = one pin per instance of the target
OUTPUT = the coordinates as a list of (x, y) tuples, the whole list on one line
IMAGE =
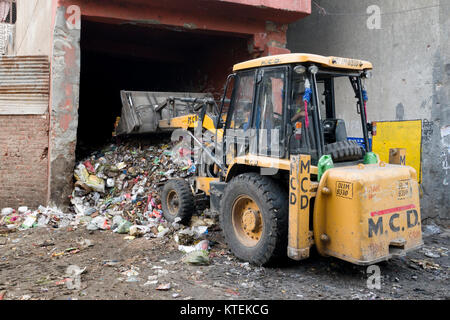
[(32, 267)]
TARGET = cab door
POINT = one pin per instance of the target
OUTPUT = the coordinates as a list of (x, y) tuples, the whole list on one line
[(239, 124), (270, 111)]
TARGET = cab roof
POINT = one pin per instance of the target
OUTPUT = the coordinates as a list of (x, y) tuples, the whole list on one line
[(330, 62)]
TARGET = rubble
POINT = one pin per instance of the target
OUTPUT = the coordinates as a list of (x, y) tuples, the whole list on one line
[(431, 229), (116, 189), (121, 185)]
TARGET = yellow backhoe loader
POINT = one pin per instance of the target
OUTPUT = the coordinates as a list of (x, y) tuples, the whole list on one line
[(275, 162)]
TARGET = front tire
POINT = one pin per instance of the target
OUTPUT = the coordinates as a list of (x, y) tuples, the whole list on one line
[(177, 201), (254, 218)]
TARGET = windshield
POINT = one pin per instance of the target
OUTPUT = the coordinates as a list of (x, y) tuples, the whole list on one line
[(336, 121)]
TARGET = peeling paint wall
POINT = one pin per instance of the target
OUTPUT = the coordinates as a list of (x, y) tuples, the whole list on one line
[(410, 53), (65, 80)]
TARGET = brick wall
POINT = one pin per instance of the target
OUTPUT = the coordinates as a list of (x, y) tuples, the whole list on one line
[(23, 160)]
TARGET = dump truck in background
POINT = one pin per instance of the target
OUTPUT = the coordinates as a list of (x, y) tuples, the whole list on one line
[(281, 173)]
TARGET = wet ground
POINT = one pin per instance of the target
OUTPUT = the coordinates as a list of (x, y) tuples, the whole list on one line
[(34, 264)]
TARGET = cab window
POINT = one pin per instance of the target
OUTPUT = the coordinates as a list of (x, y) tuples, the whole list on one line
[(269, 111)]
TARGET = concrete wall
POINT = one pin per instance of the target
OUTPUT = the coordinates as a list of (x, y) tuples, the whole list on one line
[(33, 28), (410, 54)]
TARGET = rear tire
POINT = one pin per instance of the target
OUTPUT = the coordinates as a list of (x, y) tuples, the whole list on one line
[(177, 201), (251, 195), (344, 151)]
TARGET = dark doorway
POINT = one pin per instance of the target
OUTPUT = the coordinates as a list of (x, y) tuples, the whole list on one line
[(117, 57)]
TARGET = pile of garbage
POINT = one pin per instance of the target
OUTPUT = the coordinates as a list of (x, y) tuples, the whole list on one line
[(23, 218), (118, 189)]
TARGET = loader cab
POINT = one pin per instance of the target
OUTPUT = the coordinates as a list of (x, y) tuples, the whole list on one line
[(267, 115)]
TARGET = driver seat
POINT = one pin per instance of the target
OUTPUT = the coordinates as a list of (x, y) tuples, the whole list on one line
[(334, 130)]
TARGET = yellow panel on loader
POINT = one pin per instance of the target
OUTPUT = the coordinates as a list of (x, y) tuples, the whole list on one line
[(400, 134), (367, 213)]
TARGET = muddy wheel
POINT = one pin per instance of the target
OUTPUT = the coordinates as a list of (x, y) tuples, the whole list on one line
[(254, 218), (177, 200)]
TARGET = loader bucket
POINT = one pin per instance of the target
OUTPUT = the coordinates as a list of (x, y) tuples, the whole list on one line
[(142, 111)]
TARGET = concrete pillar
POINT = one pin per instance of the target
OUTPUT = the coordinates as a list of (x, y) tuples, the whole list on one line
[(65, 80)]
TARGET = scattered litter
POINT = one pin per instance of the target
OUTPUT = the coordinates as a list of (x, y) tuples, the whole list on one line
[(151, 280), (28, 223), (202, 245), (164, 287), (22, 210), (431, 254), (425, 264), (110, 263), (85, 243), (61, 282), (430, 229), (199, 257), (7, 211), (130, 273), (97, 223)]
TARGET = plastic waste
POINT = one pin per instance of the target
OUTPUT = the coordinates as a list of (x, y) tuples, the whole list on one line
[(7, 211), (96, 183), (98, 222), (124, 227), (198, 257), (22, 210), (28, 223)]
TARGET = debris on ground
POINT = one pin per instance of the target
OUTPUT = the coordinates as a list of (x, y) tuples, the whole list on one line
[(430, 229), (434, 252), (199, 257), (426, 264), (118, 189), (164, 287)]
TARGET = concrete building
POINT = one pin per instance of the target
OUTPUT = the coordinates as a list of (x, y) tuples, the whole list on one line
[(68, 60), (408, 44), (64, 63)]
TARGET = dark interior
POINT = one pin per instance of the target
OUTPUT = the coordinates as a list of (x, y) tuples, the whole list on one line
[(118, 57)]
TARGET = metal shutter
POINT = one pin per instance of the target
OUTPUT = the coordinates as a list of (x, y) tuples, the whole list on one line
[(24, 84)]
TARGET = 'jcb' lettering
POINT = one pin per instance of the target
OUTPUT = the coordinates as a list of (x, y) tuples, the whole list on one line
[(375, 228), (409, 213)]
